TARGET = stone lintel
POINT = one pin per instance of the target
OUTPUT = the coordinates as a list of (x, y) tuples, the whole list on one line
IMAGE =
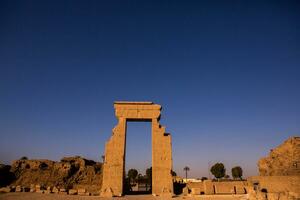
[(134, 102), (144, 111), (123, 105)]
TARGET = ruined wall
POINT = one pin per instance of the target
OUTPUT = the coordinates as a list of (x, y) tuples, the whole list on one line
[(161, 160), (210, 187), (70, 172), (283, 160), (114, 162), (276, 184)]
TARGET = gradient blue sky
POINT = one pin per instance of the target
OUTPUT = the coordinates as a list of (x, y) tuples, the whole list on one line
[(227, 74)]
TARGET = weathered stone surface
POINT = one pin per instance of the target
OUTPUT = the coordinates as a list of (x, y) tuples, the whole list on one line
[(81, 191), (18, 188), (55, 190), (114, 164), (72, 192), (208, 187), (5, 189), (196, 187), (240, 189), (32, 188), (49, 190), (224, 188), (38, 189), (63, 191), (276, 184), (185, 190), (195, 191), (283, 160)]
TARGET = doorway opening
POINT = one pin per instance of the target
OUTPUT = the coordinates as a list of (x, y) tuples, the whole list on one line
[(138, 158)]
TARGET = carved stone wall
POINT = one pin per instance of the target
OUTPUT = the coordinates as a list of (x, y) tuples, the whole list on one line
[(114, 162)]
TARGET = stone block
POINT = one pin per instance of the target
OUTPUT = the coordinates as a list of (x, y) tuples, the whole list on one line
[(5, 189), (63, 191), (72, 192), (195, 191), (239, 189), (185, 190), (55, 190), (32, 188), (208, 187), (294, 195), (49, 190), (224, 188), (38, 188), (18, 188), (82, 192)]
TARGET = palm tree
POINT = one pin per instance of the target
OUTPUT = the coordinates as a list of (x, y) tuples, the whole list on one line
[(186, 169)]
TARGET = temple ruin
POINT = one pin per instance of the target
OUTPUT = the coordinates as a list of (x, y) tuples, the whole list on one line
[(114, 162)]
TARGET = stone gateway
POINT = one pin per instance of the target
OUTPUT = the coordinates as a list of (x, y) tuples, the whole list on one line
[(114, 162)]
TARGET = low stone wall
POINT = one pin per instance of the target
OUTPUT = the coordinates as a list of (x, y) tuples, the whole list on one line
[(209, 187), (196, 188), (276, 184)]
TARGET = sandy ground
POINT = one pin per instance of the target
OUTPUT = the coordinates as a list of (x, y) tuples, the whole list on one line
[(38, 196)]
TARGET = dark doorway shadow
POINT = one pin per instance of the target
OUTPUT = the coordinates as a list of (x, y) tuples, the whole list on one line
[(178, 187), (141, 187)]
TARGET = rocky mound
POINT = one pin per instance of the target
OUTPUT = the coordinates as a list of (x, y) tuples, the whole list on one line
[(283, 160), (70, 172)]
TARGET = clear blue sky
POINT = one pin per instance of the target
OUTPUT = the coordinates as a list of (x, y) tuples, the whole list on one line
[(227, 74)]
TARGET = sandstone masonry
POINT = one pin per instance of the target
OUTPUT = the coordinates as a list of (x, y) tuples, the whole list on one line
[(114, 162)]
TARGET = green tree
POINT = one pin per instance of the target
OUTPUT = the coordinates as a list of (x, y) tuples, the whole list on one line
[(186, 169), (237, 172), (132, 174), (218, 170)]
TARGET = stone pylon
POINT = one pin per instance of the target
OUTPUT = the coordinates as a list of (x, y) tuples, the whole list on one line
[(114, 162)]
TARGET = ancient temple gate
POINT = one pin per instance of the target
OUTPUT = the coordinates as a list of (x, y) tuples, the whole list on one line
[(114, 162)]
